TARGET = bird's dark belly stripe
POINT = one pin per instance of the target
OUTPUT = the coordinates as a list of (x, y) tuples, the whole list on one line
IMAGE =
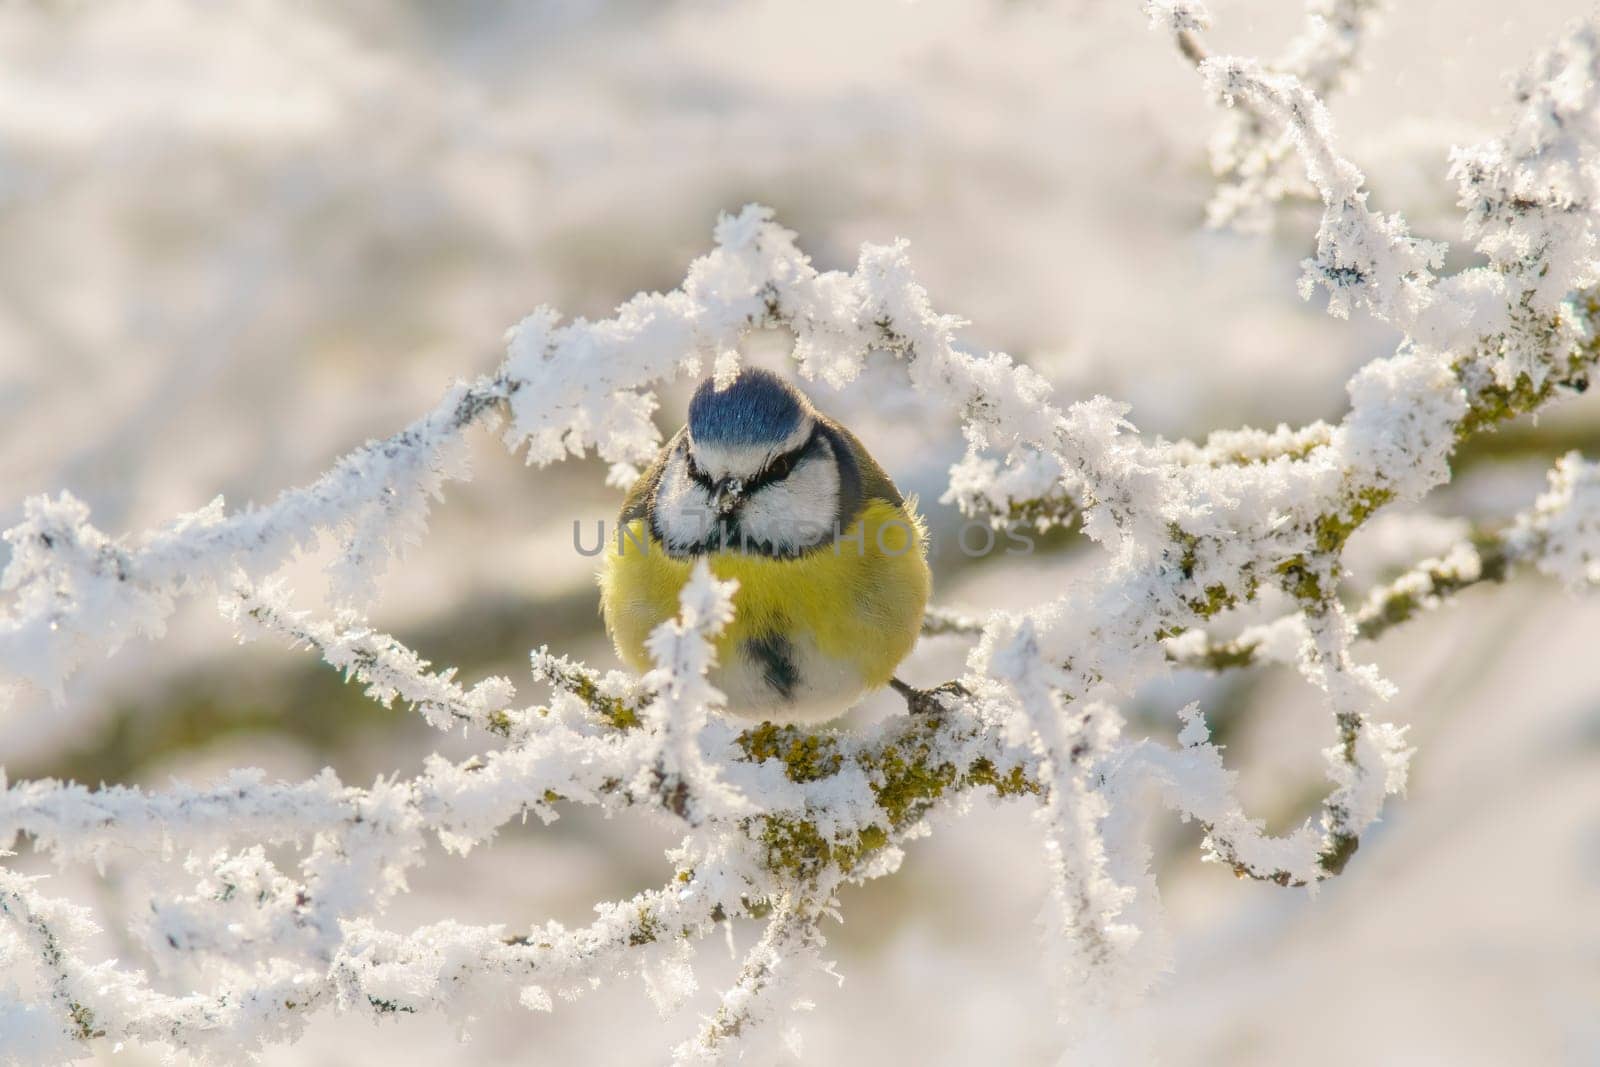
[(776, 656)]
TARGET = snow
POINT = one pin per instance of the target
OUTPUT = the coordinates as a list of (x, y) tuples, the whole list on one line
[(284, 912)]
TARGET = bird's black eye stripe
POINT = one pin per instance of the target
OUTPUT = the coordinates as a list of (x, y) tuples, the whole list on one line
[(778, 467)]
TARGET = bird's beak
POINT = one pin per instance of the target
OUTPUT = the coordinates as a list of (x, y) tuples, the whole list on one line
[(727, 494)]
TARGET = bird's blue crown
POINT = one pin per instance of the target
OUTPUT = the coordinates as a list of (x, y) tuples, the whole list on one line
[(756, 408)]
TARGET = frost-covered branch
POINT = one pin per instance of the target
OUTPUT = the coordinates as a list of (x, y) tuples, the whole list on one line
[(1557, 537), (778, 822), (939, 620), (386, 667), (1253, 151), (789, 944), (1363, 257)]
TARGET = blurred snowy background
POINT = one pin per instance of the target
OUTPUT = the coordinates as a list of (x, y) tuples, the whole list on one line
[(237, 240)]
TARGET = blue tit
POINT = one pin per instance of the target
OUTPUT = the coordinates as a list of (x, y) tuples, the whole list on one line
[(830, 559)]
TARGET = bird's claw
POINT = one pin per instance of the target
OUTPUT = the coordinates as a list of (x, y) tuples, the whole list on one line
[(928, 701)]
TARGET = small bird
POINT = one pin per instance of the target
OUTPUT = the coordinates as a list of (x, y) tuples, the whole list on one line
[(830, 559)]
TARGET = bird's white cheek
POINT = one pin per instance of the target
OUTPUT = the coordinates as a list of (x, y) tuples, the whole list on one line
[(683, 513), (797, 512)]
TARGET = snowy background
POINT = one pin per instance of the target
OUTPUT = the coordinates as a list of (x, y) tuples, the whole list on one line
[(237, 241)]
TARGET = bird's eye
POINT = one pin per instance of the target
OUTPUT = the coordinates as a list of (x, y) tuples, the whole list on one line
[(780, 467)]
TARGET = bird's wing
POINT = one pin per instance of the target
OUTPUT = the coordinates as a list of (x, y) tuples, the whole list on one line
[(636, 505), (873, 482)]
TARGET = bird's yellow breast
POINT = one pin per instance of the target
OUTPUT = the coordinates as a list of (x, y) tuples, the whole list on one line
[(860, 599)]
